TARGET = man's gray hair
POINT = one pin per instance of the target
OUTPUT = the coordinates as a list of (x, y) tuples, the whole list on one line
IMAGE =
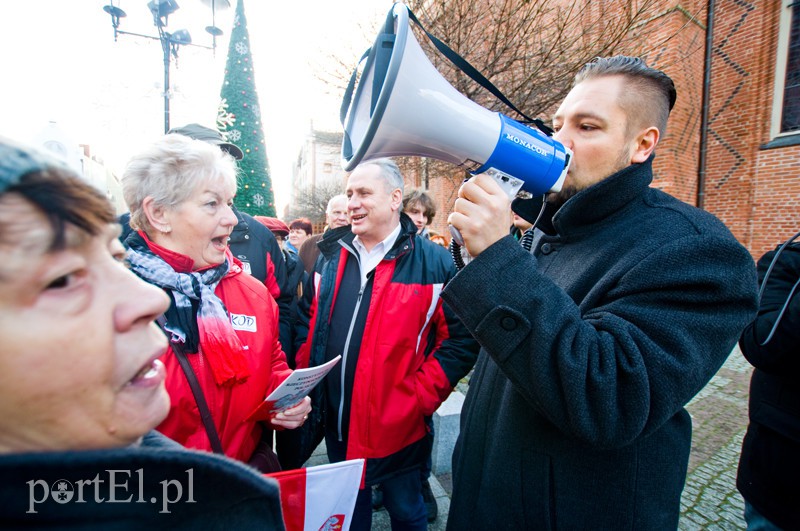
[(332, 200), (390, 172)]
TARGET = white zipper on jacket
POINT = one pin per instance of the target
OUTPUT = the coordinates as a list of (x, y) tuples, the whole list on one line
[(344, 360), (340, 413)]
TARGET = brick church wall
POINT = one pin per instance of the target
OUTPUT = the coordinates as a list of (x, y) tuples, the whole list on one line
[(755, 191)]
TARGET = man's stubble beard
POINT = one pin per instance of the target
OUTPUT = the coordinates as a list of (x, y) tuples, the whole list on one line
[(559, 198)]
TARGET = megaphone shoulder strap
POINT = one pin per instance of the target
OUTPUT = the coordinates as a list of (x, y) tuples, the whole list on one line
[(383, 62), (348, 92), (463, 65), (458, 61)]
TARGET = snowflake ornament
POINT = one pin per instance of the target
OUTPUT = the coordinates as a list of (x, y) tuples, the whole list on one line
[(225, 119), (258, 200), (241, 48), (234, 135)]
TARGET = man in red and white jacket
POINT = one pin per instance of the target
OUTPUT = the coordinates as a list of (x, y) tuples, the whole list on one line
[(403, 350)]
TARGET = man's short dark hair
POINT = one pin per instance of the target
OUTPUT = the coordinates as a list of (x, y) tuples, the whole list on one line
[(655, 92)]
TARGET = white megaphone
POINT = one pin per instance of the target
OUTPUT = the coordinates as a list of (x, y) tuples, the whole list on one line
[(403, 106)]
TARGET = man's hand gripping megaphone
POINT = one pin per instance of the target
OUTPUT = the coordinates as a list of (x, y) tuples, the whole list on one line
[(481, 213)]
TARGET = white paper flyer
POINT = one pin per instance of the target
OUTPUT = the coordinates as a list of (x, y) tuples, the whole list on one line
[(294, 388)]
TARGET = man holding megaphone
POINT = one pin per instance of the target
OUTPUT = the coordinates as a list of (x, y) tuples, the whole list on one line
[(627, 304)]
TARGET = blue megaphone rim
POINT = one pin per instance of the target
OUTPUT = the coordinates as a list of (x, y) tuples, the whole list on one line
[(398, 14)]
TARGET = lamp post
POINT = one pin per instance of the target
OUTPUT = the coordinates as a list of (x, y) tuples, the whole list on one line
[(170, 42)]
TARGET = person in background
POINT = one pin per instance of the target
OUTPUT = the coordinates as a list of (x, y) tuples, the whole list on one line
[(419, 206), (521, 229), (594, 341), (288, 442), (277, 227), (524, 213), (81, 383), (377, 305), (296, 280), (223, 323), (255, 247), (439, 239), (262, 252), (518, 226), (335, 217), (769, 465), (299, 231)]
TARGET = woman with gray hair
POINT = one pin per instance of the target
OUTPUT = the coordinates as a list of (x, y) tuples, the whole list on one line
[(224, 356)]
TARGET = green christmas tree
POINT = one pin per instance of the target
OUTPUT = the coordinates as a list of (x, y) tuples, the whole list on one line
[(239, 120)]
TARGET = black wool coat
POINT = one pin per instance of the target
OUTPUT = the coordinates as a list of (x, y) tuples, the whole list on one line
[(591, 346)]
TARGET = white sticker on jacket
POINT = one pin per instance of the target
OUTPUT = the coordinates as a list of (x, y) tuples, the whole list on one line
[(244, 322)]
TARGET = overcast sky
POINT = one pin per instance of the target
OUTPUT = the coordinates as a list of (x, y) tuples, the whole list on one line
[(60, 63)]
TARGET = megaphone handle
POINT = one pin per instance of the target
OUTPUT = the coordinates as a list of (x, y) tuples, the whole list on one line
[(454, 232), (456, 249)]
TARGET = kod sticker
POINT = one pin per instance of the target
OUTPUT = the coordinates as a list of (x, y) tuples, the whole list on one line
[(244, 322)]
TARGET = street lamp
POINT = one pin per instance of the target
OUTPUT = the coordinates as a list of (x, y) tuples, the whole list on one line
[(170, 42)]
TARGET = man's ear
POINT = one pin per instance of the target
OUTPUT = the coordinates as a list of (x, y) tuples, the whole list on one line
[(645, 143), (157, 215), (397, 199)]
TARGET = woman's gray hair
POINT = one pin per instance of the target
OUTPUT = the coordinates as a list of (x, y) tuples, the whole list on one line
[(390, 173), (169, 171)]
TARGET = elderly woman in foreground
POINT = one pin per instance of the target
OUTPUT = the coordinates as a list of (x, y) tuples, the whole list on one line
[(224, 356), (81, 384)]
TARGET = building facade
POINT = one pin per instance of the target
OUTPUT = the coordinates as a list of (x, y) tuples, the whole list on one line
[(752, 171), (319, 160)]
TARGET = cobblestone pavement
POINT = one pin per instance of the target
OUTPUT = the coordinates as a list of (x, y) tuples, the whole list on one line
[(719, 414), (710, 500)]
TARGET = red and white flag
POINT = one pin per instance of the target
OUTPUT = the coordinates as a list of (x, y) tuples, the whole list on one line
[(320, 498)]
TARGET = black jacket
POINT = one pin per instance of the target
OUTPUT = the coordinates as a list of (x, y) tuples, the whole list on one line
[(297, 282), (592, 346), (155, 485), (769, 466)]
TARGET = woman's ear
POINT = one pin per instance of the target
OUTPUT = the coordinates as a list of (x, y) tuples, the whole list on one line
[(645, 144), (157, 215)]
